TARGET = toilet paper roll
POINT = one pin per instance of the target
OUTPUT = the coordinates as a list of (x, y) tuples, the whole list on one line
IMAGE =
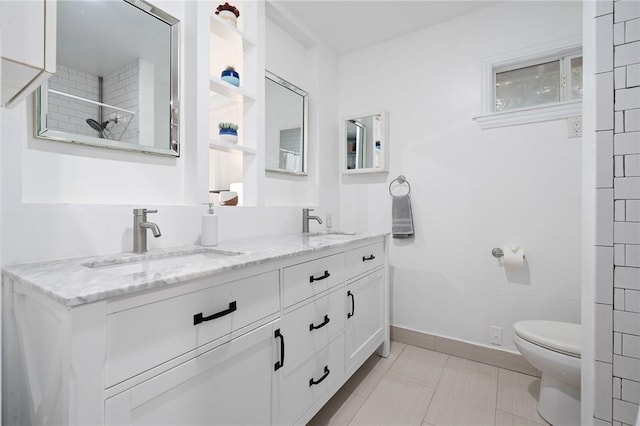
[(513, 256)]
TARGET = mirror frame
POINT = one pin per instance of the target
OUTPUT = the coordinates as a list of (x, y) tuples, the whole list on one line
[(384, 142), (305, 123), (41, 99)]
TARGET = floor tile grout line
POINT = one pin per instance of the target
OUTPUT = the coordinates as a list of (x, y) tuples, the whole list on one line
[(376, 384), (424, 418)]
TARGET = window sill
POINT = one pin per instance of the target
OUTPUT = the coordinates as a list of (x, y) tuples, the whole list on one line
[(529, 115)]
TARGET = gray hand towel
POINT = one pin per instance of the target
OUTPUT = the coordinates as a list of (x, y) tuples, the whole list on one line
[(401, 217)]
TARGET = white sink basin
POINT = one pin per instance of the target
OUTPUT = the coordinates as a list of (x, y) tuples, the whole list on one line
[(158, 264)]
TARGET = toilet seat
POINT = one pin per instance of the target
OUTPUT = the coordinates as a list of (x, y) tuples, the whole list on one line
[(556, 336)]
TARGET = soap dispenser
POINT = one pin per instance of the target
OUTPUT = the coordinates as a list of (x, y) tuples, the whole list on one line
[(209, 235)]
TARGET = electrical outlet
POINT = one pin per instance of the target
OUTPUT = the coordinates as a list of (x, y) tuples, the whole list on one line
[(495, 335), (574, 125)]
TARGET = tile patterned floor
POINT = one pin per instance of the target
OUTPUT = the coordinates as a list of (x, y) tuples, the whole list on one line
[(416, 386)]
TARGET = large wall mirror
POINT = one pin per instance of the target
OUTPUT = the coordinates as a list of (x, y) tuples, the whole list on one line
[(366, 143), (286, 122), (116, 83)]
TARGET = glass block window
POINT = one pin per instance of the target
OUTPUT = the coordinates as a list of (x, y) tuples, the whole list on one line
[(544, 82)]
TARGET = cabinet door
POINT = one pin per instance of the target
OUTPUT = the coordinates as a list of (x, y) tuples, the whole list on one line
[(229, 385), (365, 312), (28, 46)]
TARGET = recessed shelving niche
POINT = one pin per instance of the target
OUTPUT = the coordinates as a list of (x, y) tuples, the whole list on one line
[(231, 46)]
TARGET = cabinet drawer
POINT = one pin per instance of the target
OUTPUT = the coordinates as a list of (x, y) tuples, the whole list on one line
[(229, 385), (310, 327), (305, 385), (146, 336), (306, 279), (364, 259)]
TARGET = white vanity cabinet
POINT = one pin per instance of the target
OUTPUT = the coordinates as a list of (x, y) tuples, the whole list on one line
[(334, 319), (28, 47), (255, 344), (365, 293), (200, 352)]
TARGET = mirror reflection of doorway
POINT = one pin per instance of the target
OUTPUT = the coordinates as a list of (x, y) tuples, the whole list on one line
[(356, 147)]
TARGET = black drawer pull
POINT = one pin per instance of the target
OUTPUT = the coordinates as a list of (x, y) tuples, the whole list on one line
[(279, 364), (315, 327), (324, 376), (364, 259), (198, 318), (322, 277), (353, 304)]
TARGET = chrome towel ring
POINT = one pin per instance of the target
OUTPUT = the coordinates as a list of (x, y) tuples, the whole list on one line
[(401, 180)]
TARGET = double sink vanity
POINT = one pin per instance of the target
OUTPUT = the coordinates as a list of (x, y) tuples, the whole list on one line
[(260, 331)]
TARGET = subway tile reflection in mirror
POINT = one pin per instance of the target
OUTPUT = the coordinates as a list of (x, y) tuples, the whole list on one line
[(116, 78)]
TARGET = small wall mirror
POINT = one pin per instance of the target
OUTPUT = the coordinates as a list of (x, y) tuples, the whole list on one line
[(286, 122), (116, 83), (366, 143)]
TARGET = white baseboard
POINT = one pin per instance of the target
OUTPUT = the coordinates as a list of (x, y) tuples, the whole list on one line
[(474, 352)]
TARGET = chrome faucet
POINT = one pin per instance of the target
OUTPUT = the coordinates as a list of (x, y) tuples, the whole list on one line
[(140, 226), (306, 218)]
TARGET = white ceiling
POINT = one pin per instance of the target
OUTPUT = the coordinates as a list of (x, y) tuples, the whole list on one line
[(98, 37), (349, 25)]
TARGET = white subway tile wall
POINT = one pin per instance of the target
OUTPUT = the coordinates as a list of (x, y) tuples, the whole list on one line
[(618, 169), (617, 387), (626, 278), (121, 89), (632, 255), (617, 344), (626, 143), (618, 107), (633, 210), (67, 114), (633, 75), (618, 254), (632, 30)]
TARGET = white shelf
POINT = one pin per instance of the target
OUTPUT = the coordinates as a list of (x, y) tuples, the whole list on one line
[(225, 30), (223, 93), (230, 147)]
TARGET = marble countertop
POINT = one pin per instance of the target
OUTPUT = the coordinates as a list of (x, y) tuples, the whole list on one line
[(78, 281)]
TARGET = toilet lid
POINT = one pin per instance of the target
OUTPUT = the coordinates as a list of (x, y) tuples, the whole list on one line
[(558, 336)]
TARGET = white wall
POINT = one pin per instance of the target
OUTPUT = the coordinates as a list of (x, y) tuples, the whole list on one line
[(63, 200), (615, 138), (472, 189), (289, 59), (296, 56)]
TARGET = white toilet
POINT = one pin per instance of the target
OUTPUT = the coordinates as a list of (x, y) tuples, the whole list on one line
[(553, 348)]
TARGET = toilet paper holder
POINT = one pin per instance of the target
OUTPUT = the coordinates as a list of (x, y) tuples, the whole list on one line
[(498, 253)]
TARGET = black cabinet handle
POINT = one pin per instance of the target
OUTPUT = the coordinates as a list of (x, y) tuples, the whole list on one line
[(353, 304), (278, 365), (198, 318), (324, 376), (315, 327), (321, 277), (364, 259)]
